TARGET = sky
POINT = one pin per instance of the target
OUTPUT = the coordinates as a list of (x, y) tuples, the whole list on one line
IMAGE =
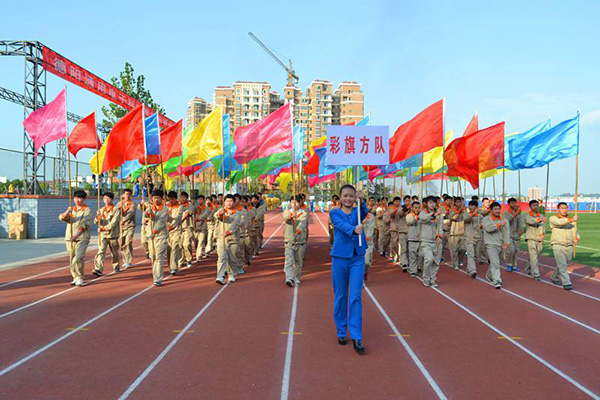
[(514, 61)]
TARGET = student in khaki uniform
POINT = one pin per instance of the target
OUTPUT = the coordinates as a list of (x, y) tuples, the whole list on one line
[(201, 216), (403, 234), (394, 215), (484, 211), (380, 215), (174, 228), (472, 237), (372, 206), (127, 218), (108, 220), (456, 233), (385, 234), (237, 204), (413, 239), (369, 230), (188, 216), (211, 209), (158, 217), (496, 237), (535, 227), (563, 242), (228, 237), (430, 223), (445, 208), (77, 234), (259, 222), (145, 229), (513, 216), (247, 231), (296, 222)]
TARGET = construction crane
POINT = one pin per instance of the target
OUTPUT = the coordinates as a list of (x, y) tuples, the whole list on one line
[(292, 78)]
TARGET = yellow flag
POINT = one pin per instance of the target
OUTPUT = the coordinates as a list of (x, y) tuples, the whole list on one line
[(448, 138), (284, 180), (491, 172), (317, 142), (205, 141), (99, 156)]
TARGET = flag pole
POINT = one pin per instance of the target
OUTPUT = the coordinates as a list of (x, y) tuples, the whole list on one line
[(547, 185), (576, 201), (98, 172), (503, 186), (358, 202), (519, 175), (69, 164), (410, 183), (494, 186), (421, 177)]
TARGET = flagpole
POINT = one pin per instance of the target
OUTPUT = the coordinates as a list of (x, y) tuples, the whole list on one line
[(421, 177), (494, 186), (519, 175), (98, 172), (69, 163), (576, 201), (484, 182), (503, 183), (547, 185), (410, 182)]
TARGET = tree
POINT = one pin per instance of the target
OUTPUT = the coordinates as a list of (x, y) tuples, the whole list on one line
[(129, 84)]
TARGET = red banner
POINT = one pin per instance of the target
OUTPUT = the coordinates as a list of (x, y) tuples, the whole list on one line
[(68, 70)]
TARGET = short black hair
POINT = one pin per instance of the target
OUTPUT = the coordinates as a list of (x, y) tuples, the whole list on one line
[(172, 194), (511, 200), (299, 198), (185, 194), (406, 197), (347, 186), (220, 194), (371, 198), (415, 197), (237, 196), (485, 198), (397, 198), (111, 195), (458, 198), (158, 193), (474, 203), (561, 203), (228, 196), (475, 197), (494, 205), (534, 201), (127, 190), (414, 203), (200, 196), (80, 193)]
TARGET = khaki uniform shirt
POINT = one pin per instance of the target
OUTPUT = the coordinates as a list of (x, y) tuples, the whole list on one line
[(430, 226), (188, 223), (472, 226), (563, 230), (514, 219), (228, 221), (128, 212), (534, 227), (296, 226), (108, 222), (457, 224), (493, 233), (160, 221), (414, 233), (80, 219)]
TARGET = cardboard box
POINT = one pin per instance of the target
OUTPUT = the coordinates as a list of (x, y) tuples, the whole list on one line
[(17, 218), (17, 235)]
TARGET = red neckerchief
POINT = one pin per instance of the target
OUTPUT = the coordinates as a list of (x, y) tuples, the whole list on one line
[(77, 209), (172, 206), (186, 204), (514, 214), (474, 214), (155, 208), (240, 208), (446, 208), (106, 209), (494, 218), (532, 214), (457, 210), (127, 205), (431, 214), (415, 215)]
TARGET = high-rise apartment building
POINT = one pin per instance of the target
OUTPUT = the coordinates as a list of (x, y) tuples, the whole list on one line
[(197, 108), (351, 103)]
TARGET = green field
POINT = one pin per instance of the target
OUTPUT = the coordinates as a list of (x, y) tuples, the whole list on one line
[(588, 250)]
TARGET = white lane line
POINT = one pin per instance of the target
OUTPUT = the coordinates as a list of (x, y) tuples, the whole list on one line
[(172, 344), (6, 314), (570, 273), (521, 347), (47, 272), (287, 366), (589, 296), (166, 350), (408, 349), (543, 307), (403, 341)]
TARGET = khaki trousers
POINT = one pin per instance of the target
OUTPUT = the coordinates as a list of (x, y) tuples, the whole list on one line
[(384, 241), (113, 245), (227, 259), (534, 247), (294, 260), (76, 252), (376, 240), (158, 252), (403, 247), (185, 242), (562, 256), (494, 252), (510, 254), (174, 249), (431, 263), (415, 258), (457, 249), (201, 237), (473, 248), (126, 240), (145, 241), (394, 245), (210, 238)]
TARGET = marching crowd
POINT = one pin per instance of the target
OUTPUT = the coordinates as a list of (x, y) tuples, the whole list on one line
[(414, 234)]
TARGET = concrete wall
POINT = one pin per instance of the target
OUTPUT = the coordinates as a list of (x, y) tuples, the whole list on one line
[(43, 211)]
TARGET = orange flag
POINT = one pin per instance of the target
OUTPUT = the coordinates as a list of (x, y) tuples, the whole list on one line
[(84, 135), (126, 140)]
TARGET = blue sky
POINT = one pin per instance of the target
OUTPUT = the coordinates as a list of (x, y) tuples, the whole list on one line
[(515, 61)]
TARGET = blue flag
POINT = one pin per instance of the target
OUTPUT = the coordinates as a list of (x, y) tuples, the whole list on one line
[(538, 148), (298, 143), (152, 137), (130, 167), (227, 163)]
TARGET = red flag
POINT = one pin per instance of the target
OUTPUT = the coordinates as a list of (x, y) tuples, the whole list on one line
[(48, 123), (126, 140), (472, 127), (312, 165), (450, 156), (480, 151), (271, 135), (422, 133), (84, 135), (170, 144)]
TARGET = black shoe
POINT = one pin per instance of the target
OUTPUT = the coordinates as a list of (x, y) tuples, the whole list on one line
[(405, 268), (412, 275), (97, 273), (474, 275), (536, 278), (358, 346), (342, 341), (117, 270), (173, 273), (556, 282), (290, 283), (568, 287)]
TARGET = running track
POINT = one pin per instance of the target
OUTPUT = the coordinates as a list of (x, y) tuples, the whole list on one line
[(119, 337)]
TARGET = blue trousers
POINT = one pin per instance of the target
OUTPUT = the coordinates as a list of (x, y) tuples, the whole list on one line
[(347, 275)]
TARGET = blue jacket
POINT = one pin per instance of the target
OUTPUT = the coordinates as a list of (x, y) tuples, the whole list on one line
[(345, 240)]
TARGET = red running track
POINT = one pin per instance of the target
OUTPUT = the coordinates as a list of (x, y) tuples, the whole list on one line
[(235, 342)]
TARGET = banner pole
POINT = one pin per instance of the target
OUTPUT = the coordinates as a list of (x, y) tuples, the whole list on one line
[(503, 186), (576, 201), (519, 175), (494, 186), (358, 208), (547, 185), (421, 177)]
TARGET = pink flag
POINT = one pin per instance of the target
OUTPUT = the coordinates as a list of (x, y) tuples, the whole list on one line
[(314, 180), (270, 135), (48, 123)]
